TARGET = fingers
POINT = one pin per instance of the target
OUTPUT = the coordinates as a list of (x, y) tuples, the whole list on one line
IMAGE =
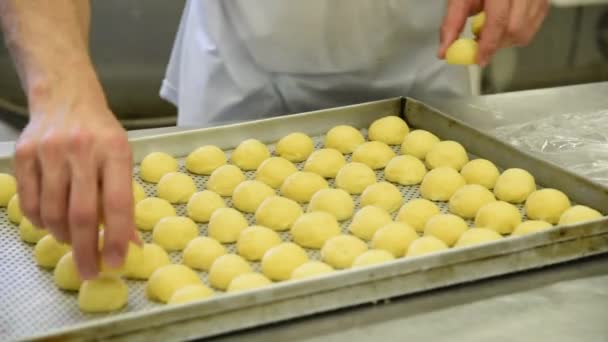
[(493, 34), (453, 23), (28, 180), (518, 29)]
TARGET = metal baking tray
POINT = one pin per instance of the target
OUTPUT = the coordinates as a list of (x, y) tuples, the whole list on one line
[(32, 308)]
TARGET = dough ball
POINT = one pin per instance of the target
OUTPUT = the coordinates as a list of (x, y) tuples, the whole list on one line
[(153, 256), (482, 172), (326, 162), (279, 262), (155, 165), (248, 281), (342, 250), (174, 232), (311, 230), (463, 51), (176, 187), (224, 179), (395, 238), (547, 205), (138, 192), (355, 177), (254, 241), (344, 139), (311, 269), (334, 201), (201, 252), (384, 195), (405, 170), (104, 294), (441, 183), (467, 200), (446, 227), (225, 268), (30, 233), (374, 154), (190, 293), (478, 23), (418, 143), (368, 220), (151, 210), (390, 130), (579, 213), (417, 212), (529, 227), (248, 195), (8, 188), (372, 257), (499, 216), (66, 275), (273, 171), (300, 186), (278, 213), (48, 251), (134, 259), (514, 186), (13, 210), (250, 154), (425, 245), (202, 204), (226, 224), (166, 280), (204, 160), (295, 147), (476, 236), (447, 154)]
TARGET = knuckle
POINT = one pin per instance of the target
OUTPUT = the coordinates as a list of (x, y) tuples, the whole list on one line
[(83, 217), (52, 143), (25, 150), (81, 140)]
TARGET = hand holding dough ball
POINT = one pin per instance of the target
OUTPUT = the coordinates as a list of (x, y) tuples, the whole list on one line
[(273, 171), (514, 186), (529, 227), (418, 143), (384, 195), (254, 241), (311, 230), (463, 51), (405, 170), (368, 220), (446, 227), (395, 238), (478, 23), (279, 262), (547, 205), (425, 245), (224, 179), (355, 177), (151, 210), (300, 186), (104, 294), (417, 212), (201, 252), (248, 281), (250, 154), (441, 183), (372, 257), (467, 200), (225, 268), (482, 172), (499, 216), (325, 162), (311, 269), (174, 232), (190, 293), (248, 195), (66, 275), (13, 210), (447, 154), (48, 251), (155, 165), (295, 147), (30, 233), (278, 213), (8, 188), (202, 204), (374, 154), (204, 160), (579, 213), (226, 224), (175, 187), (476, 236), (138, 192), (342, 250), (390, 130), (334, 201), (165, 281), (153, 256), (344, 139)]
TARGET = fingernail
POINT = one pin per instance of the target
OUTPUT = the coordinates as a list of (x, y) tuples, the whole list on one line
[(88, 274), (114, 258)]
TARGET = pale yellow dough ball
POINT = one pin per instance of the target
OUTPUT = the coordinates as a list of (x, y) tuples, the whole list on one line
[(334, 201), (201, 252), (372, 257), (224, 179), (341, 251), (254, 241), (579, 213), (355, 177), (368, 220), (204, 160), (311, 230), (13, 210), (467, 200), (500, 216), (225, 268), (441, 183), (226, 224), (30, 233), (248, 195), (463, 51), (446, 227), (8, 188), (279, 262), (278, 213), (418, 143), (325, 162), (295, 147), (529, 227), (311, 269), (202, 204), (482, 172), (248, 281), (417, 212), (374, 154), (174, 232), (395, 238), (48, 251), (153, 256), (384, 195), (514, 186), (425, 245), (478, 23), (175, 187), (447, 154), (476, 236), (134, 260), (547, 205), (390, 130), (155, 165), (273, 171), (166, 280), (344, 138), (138, 192), (300, 186), (190, 293), (405, 170), (66, 275), (151, 210), (250, 154), (103, 294)]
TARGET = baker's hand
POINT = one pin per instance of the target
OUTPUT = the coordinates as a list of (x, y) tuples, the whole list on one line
[(508, 23)]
